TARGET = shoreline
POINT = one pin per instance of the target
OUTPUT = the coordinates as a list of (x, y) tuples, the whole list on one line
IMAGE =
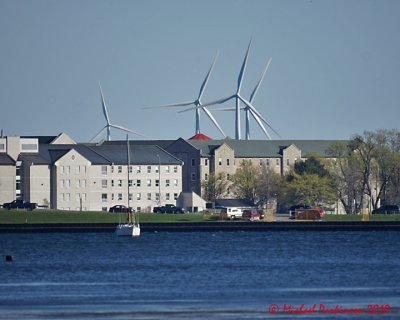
[(208, 226)]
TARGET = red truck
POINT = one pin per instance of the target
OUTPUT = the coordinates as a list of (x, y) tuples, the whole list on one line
[(309, 214)]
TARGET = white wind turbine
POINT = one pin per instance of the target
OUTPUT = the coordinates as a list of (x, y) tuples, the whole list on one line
[(239, 99), (249, 111), (198, 104), (109, 125)]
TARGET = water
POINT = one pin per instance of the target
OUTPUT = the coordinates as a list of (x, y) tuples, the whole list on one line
[(223, 275)]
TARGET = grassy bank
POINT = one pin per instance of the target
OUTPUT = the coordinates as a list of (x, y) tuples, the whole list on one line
[(53, 216)]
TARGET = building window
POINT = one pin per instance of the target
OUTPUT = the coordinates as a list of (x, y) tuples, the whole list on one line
[(138, 169), (138, 183), (104, 170), (130, 197), (61, 169), (78, 169), (157, 182), (261, 162), (167, 196), (167, 183), (267, 162), (148, 169), (277, 162), (220, 161), (138, 196), (193, 162), (83, 196), (206, 177), (130, 169), (104, 197), (167, 170), (119, 196), (157, 196), (78, 184), (112, 169), (228, 176), (83, 184), (227, 162), (120, 183), (193, 176), (104, 183), (112, 197), (67, 197), (112, 183), (175, 169), (175, 196), (18, 185), (288, 162), (149, 196), (119, 169), (149, 182), (67, 169), (156, 169), (130, 183), (206, 162), (67, 183), (175, 182), (61, 184)]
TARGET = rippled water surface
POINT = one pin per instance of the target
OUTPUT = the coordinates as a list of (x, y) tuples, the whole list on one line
[(198, 275)]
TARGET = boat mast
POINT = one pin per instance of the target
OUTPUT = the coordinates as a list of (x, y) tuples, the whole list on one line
[(129, 164)]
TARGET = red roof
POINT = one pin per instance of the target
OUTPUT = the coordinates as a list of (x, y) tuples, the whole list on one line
[(200, 136)]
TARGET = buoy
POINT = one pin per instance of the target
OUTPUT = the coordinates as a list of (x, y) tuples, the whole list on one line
[(10, 258)]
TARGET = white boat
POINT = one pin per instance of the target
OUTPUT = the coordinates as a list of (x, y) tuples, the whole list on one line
[(132, 227), (128, 229)]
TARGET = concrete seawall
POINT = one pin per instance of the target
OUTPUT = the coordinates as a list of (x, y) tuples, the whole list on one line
[(209, 226)]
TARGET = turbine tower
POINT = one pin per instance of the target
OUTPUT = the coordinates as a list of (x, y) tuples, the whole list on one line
[(198, 104), (109, 125)]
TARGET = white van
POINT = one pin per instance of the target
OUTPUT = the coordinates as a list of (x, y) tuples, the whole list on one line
[(232, 213)]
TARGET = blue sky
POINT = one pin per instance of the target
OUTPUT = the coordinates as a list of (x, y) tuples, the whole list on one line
[(335, 67)]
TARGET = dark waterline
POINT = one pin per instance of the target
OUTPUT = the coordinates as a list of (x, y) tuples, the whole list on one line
[(222, 275)]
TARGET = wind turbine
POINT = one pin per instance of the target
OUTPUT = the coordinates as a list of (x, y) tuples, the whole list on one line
[(198, 104), (109, 125), (239, 99)]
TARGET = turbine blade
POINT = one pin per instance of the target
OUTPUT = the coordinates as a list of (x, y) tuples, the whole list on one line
[(257, 113), (225, 109), (103, 103), (219, 101), (178, 104), (208, 113), (243, 69), (204, 84), (253, 94), (260, 124), (101, 131), (126, 129)]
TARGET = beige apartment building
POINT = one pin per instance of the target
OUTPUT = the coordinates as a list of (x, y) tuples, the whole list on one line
[(58, 173)]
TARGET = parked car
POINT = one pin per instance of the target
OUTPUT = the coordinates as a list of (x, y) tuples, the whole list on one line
[(252, 214), (387, 209), (20, 204), (168, 208), (292, 209), (121, 208), (309, 214)]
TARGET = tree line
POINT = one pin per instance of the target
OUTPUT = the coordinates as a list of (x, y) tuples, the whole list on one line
[(362, 172)]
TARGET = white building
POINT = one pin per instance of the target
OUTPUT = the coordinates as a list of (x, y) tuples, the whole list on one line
[(58, 173)]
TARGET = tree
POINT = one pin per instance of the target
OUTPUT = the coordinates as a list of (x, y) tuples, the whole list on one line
[(245, 181), (308, 183), (267, 186), (215, 187)]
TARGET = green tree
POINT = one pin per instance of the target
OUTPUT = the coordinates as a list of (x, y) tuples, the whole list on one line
[(216, 187), (245, 181), (267, 186)]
